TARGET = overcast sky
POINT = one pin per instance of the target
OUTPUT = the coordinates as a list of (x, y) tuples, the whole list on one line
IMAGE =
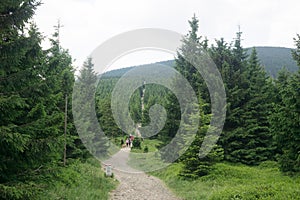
[(88, 23)]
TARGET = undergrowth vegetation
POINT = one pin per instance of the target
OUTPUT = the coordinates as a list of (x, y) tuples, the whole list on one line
[(233, 181), (79, 181)]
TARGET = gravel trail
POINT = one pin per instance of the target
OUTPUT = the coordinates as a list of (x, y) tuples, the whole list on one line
[(136, 185)]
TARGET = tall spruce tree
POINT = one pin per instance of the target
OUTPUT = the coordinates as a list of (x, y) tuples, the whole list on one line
[(60, 84), (84, 109), (194, 166), (229, 62), (246, 137), (257, 143)]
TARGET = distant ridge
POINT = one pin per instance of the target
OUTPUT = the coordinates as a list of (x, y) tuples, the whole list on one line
[(120, 72), (275, 58), (272, 58)]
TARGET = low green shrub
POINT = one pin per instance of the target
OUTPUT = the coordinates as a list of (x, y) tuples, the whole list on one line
[(269, 164), (146, 149), (136, 143)]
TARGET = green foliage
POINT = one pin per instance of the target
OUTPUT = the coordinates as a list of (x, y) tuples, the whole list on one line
[(171, 104), (246, 137), (146, 149), (152, 145), (136, 143), (25, 190), (76, 180), (296, 52), (16, 13), (250, 95), (194, 166), (106, 120), (268, 164), (32, 100), (79, 181), (84, 111), (103, 107), (36, 88), (285, 124), (117, 73), (227, 181)]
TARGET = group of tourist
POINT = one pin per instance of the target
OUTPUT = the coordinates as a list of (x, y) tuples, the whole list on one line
[(128, 141)]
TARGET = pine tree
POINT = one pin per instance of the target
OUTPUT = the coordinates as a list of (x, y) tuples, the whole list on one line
[(21, 100), (229, 62), (246, 137), (105, 117), (60, 83), (84, 112), (255, 139), (194, 166)]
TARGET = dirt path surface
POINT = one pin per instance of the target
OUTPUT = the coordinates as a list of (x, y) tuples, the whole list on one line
[(136, 185)]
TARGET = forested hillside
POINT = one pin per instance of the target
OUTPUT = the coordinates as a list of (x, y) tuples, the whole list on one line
[(120, 72), (273, 59)]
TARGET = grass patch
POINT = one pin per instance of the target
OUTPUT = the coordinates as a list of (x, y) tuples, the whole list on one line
[(146, 160), (152, 145), (228, 181), (79, 181)]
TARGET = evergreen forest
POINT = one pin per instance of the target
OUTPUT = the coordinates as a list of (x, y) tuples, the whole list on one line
[(257, 155)]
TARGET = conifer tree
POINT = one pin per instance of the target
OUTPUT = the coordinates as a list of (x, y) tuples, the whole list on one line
[(230, 62), (194, 166), (256, 144), (246, 137), (84, 110), (60, 83)]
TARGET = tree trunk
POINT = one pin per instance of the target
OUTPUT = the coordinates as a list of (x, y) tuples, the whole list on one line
[(65, 131)]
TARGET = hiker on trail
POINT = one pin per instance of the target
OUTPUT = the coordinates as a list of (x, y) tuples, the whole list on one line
[(127, 142), (131, 138)]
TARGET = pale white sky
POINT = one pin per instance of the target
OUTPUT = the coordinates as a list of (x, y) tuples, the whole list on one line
[(88, 23)]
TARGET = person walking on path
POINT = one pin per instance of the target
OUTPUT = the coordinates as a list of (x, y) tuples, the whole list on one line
[(127, 142)]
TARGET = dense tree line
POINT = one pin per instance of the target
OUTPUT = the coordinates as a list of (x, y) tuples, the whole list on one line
[(37, 134)]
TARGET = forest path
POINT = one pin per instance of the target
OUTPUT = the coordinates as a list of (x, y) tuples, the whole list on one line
[(134, 184)]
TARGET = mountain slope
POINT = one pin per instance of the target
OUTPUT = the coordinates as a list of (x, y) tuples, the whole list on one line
[(272, 58), (275, 58)]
